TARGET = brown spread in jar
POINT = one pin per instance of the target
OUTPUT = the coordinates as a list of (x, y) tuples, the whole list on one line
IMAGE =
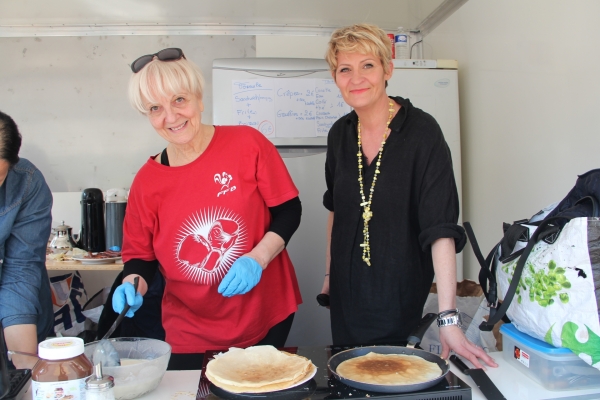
[(61, 370)]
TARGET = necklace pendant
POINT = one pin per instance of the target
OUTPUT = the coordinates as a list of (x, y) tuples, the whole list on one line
[(367, 214)]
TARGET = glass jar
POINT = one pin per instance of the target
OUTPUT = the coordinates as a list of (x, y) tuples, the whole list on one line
[(61, 370)]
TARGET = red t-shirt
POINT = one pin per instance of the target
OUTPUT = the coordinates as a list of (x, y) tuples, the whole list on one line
[(196, 220)]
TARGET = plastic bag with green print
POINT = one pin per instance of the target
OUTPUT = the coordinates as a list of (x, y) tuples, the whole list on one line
[(548, 283)]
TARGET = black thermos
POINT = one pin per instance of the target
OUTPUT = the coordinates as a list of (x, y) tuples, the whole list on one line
[(92, 220), (116, 204)]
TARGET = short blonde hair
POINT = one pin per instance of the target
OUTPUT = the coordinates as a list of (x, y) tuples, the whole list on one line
[(359, 38), (164, 79)]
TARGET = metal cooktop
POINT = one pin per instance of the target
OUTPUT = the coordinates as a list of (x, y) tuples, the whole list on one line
[(324, 386)]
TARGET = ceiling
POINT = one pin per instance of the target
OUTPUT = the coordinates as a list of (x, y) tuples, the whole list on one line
[(307, 17)]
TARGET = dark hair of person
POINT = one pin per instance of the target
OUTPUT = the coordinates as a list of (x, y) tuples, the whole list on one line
[(10, 140)]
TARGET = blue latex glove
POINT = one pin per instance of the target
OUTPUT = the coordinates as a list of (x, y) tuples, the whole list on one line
[(243, 275), (126, 292)]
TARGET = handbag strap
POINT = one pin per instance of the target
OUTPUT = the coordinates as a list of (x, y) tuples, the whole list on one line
[(510, 293), (594, 204), (486, 272)]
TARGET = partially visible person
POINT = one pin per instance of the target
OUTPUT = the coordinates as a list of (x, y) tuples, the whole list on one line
[(214, 211), (25, 222), (393, 206)]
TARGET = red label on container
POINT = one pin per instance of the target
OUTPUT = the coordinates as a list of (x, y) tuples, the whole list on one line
[(392, 40), (521, 356)]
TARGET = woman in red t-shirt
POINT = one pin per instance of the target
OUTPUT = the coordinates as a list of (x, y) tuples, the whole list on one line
[(213, 212)]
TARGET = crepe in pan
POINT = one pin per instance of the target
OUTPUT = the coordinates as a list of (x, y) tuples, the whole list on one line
[(257, 369), (389, 369), (269, 387)]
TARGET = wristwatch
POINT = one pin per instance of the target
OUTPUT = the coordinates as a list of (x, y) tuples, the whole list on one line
[(452, 320)]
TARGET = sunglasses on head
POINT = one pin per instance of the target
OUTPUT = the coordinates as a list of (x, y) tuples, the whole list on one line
[(170, 54)]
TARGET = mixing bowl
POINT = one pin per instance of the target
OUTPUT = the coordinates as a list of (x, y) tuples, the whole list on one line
[(149, 359)]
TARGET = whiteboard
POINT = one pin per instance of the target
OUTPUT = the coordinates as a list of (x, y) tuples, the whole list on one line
[(68, 95), (291, 101)]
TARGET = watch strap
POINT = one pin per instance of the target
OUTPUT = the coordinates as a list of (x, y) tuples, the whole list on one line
[(448, 312)]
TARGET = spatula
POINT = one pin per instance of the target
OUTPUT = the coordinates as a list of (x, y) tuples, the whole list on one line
[(136, 281)]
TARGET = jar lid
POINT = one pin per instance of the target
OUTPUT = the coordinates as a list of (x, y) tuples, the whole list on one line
[(62, 227), (61, 348), (98, 382)]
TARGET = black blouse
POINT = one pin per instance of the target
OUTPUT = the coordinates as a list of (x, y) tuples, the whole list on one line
[(415, 202)]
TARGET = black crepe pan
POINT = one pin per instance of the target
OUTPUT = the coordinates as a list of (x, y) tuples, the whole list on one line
[(303, 391), (413, 340)]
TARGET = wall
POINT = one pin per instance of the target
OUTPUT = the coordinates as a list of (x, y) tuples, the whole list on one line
[(69, 97), (291, 46), (530, 96)]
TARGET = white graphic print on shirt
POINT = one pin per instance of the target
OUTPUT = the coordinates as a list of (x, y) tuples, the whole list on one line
[(208, 243), (224, 180)]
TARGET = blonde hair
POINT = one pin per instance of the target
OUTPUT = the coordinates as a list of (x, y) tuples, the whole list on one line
[(360, 38), (164, 79)]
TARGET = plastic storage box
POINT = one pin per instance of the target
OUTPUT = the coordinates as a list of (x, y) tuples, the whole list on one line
[(552, 367)]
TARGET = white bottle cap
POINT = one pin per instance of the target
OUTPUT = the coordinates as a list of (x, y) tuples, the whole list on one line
[(116, 195), (61, 348)]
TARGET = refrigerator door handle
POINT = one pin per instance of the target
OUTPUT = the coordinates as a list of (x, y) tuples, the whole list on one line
[(290, 151)]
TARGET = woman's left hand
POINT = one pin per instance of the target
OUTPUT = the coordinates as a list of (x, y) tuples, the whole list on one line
[(243, 275), (453, 338)]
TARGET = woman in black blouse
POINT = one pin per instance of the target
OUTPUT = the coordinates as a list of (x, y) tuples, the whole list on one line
[(391, 188)]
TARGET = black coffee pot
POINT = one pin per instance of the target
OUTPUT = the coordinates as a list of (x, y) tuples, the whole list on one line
[(92, 236)]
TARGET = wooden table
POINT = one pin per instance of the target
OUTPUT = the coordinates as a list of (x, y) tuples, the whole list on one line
[(53, 265)]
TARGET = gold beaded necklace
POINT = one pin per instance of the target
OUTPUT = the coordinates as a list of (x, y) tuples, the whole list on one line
[(367, 213)]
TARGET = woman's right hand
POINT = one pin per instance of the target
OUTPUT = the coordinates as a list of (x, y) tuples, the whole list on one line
[(126, 294), (323, 298), (325, 289)]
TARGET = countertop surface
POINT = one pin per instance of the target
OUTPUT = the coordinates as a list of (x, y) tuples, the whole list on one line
[(179, 385), (183, 385), (93, 265)]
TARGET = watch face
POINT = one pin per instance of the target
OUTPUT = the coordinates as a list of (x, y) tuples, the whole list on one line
[(453, 320)]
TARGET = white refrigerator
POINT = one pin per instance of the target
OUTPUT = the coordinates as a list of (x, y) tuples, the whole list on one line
[(293, 102)]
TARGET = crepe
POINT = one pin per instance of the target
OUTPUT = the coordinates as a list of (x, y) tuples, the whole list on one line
[(389, 369), (257, 369), (270, 387)]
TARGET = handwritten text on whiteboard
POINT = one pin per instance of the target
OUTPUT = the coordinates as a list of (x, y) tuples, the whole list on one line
[(288, 107)]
